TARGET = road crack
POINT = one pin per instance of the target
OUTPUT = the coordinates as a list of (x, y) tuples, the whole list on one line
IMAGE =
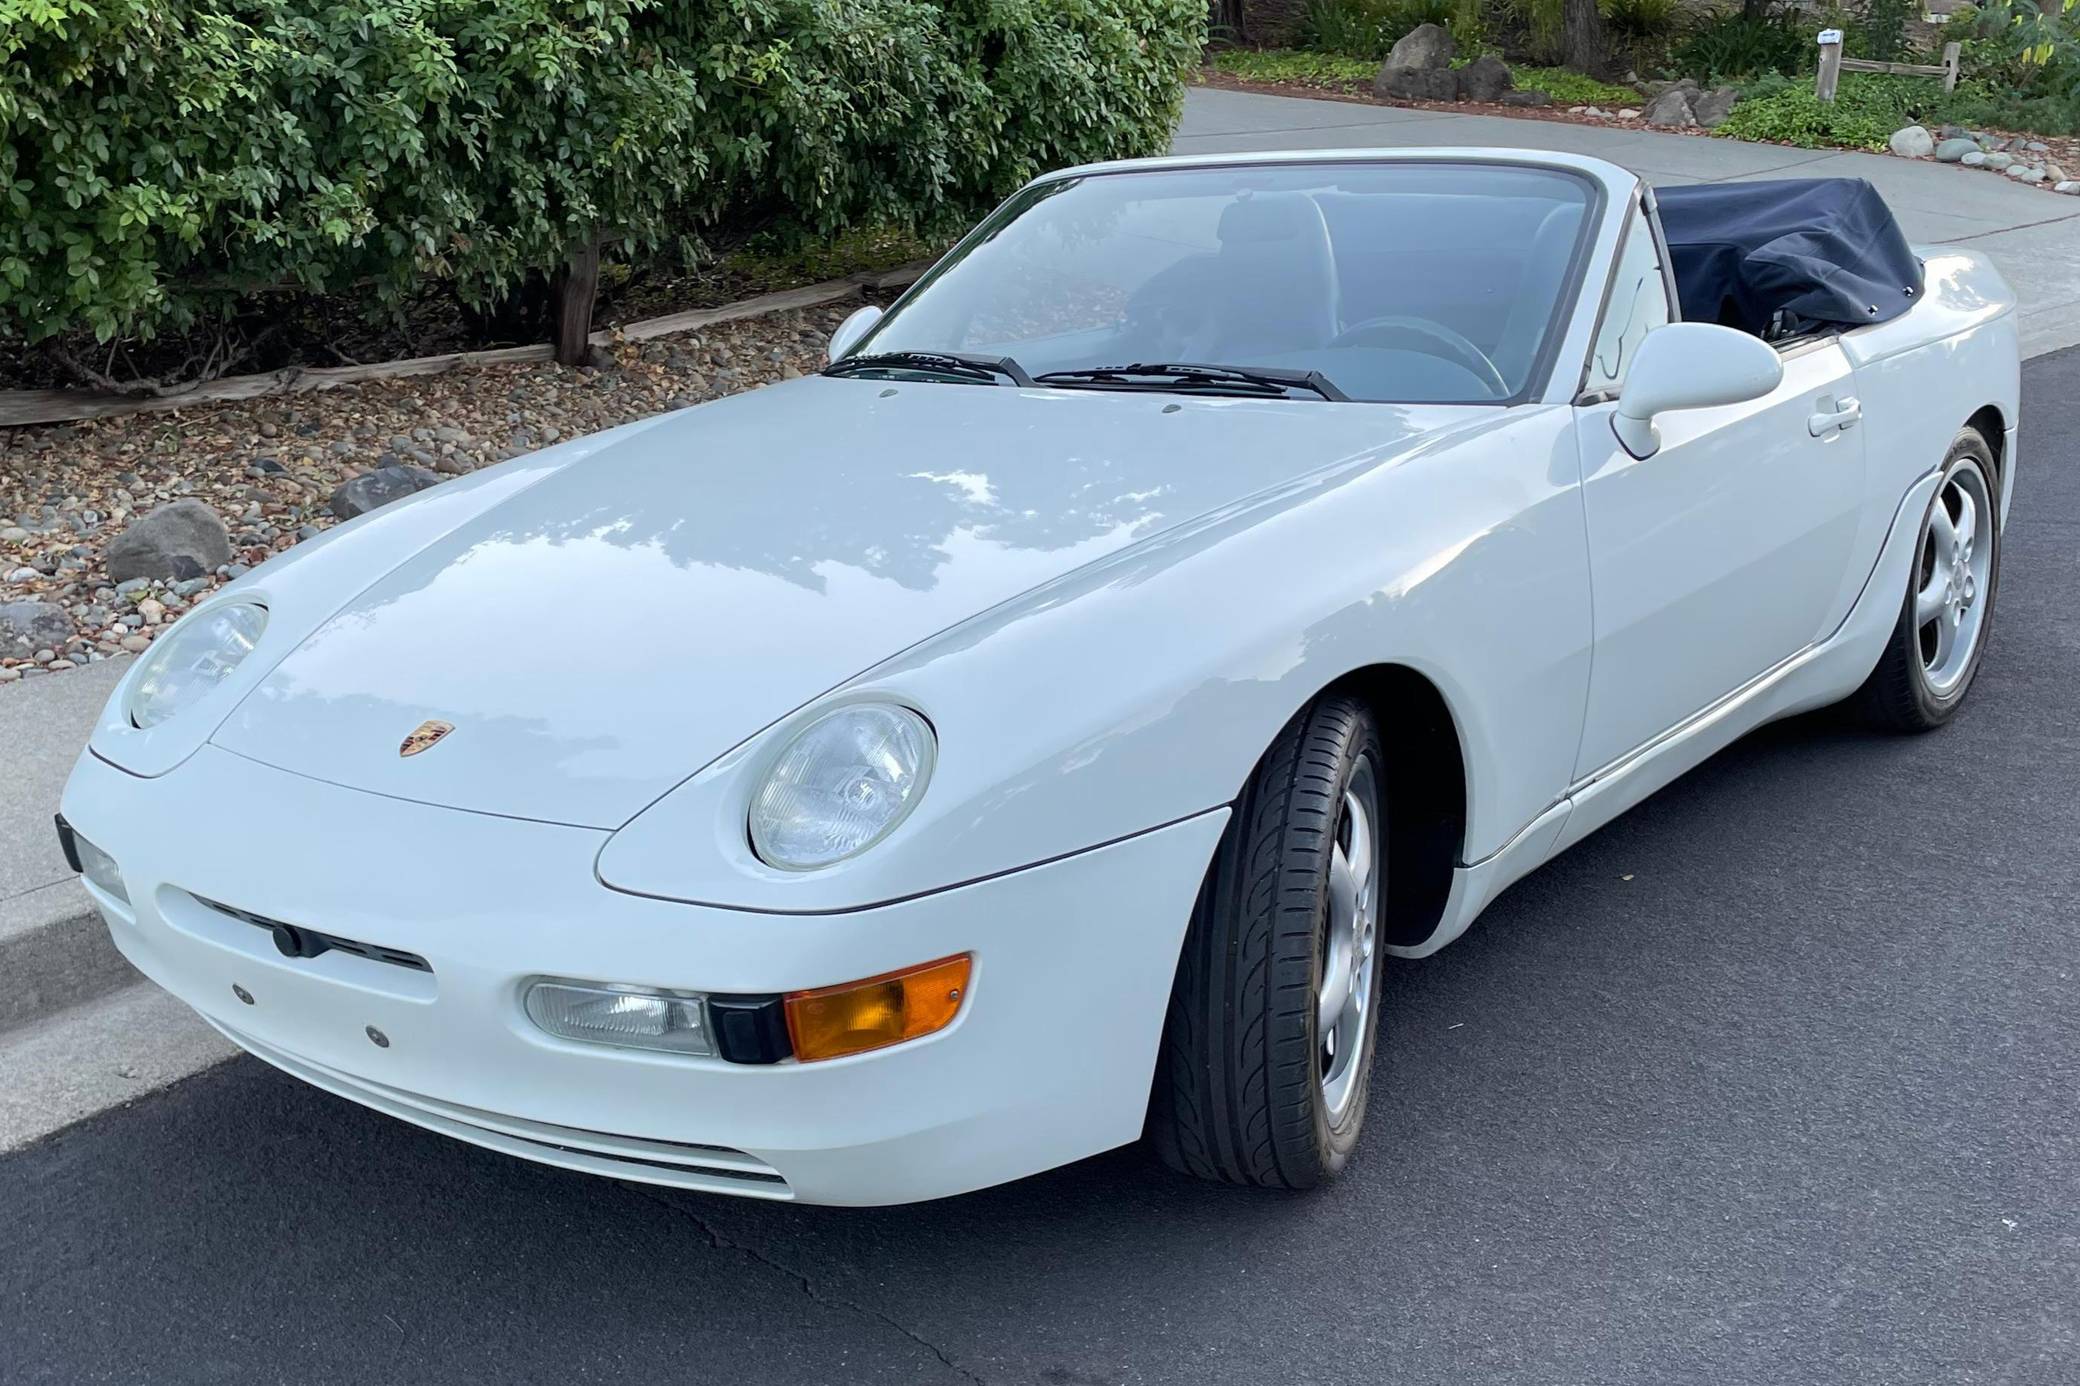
[(802, 1282)]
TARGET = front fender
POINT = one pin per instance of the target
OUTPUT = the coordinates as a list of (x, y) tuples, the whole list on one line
[(1142, 689)]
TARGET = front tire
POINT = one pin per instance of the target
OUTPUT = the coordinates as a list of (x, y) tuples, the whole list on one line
[(1935, 648), (1267, 1049)]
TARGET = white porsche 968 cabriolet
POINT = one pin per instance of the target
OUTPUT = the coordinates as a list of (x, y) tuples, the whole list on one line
[(1214, 576)]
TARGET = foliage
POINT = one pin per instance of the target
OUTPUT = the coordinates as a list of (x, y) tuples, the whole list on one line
[(1570, 88), (159, 159), (1633, 20), (1371, 28), (1730, 44), (1297, 67), (1883, 29), (1330, 73), (1867, 108), (2029, 59)]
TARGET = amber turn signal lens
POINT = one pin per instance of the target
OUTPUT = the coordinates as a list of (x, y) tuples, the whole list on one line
[(857, 1016)]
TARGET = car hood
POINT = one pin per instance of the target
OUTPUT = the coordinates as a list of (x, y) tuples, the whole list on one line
[(602, 634)]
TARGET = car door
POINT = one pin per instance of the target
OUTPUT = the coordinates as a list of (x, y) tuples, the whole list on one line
[(1718, 557)]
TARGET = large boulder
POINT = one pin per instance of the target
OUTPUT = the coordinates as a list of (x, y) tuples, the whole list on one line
[(1417, 83), (1426, 45), (1711, 108), (1486, 78), (173, 543), (378, 488), (1913, 142), (1954, 150), (26, 627), (1672, 109)]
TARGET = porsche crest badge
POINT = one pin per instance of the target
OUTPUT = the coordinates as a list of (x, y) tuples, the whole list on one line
[(424, 736)]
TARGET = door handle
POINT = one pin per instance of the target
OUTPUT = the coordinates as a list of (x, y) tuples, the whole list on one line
[(1834, 416)]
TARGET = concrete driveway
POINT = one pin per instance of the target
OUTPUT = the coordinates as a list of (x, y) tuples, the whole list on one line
[(2034, 236)]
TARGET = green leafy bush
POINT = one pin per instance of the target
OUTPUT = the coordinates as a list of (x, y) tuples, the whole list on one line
[(1296, 67), (1371, 28), (161, 159), (1731, 45), (1640, 19), (1867, 108), (2026, 59), (1570, 88)]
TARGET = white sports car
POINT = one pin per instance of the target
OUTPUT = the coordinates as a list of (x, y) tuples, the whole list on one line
[(1216, 574)]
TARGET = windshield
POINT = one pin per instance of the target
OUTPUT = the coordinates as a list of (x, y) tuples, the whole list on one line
[(1432, 283)]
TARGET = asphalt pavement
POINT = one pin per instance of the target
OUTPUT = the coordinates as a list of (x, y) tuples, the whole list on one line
[(1773, 1080)]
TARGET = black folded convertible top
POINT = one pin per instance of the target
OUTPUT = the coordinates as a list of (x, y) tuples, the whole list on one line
[(1782, 257)]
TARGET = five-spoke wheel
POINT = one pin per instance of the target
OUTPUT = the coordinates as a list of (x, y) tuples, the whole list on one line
[(1941, 636)]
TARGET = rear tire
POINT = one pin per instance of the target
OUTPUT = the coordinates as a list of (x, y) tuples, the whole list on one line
[(1935, 648), (1267, 1049)]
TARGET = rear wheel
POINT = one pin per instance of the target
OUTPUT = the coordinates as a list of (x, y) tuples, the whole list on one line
[(1267, 1049), (1935, 649)]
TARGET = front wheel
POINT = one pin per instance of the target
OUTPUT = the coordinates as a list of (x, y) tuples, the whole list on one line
[(1935, 648), (1267, 1048)]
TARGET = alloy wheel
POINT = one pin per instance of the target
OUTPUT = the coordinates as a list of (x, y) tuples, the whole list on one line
[(1956, 566), (1344, 990)]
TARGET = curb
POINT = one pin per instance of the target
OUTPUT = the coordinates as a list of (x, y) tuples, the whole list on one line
[(55, 954)]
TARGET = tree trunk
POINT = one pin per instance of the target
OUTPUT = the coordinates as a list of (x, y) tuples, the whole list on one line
[(1755, 9), (1583, 38), (577, 286)]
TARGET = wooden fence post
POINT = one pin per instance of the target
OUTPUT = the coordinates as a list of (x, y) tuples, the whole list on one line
[(1830, 74), (1950, 60), (577, 285)]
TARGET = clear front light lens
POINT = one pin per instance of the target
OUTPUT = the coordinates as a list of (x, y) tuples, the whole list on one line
[(100, 868), (192, 658), (675, 1022), (842, 785)]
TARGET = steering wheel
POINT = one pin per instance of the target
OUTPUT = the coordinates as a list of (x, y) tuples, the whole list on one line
[(1428, 338)]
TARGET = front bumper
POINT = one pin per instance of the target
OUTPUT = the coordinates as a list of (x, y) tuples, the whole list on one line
[(1049, 1060)]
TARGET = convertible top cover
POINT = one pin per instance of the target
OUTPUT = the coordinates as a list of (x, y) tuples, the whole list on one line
[(1779, 258)]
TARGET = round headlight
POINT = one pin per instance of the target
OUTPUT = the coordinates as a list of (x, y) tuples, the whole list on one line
[(192, 658), (842, 785)]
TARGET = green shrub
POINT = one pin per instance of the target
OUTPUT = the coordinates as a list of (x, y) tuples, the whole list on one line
[(160, 159), (1730, 45), (1867, 108), (1570, 88), (1634, 20), (1293, 66), (1371, 28), (2027, 61)]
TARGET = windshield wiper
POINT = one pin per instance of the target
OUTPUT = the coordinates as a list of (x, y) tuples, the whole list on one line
[(959, 364), (1196, 378)]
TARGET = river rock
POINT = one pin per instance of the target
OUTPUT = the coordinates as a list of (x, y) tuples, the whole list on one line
[(378, 488), (26, 627), (177, 541)]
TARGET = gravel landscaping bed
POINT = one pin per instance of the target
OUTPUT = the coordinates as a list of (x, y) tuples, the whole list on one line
[(277, 471)]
